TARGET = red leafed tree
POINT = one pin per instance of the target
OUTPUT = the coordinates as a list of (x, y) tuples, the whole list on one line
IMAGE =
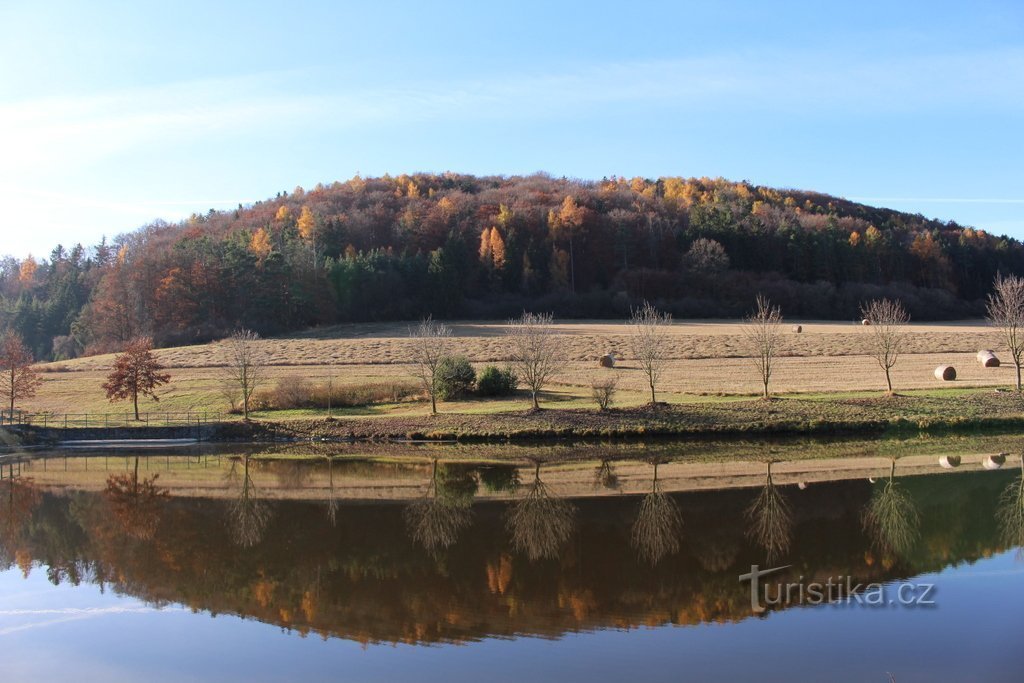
[(18, 379), (136, 371)]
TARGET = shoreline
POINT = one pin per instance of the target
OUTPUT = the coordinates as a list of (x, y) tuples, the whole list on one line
[(989, 411)]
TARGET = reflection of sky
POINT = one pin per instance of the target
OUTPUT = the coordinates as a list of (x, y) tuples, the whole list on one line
[(69, 633)]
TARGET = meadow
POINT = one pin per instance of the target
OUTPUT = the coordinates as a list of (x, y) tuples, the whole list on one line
[(708, 362)]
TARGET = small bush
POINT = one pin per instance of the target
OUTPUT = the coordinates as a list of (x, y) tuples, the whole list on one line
[(603, 391), (494, 381), (456, 376), (295, 393)]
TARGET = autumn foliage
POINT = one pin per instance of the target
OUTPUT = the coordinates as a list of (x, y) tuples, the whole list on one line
[(136, 371), (447, 245), (18, 379)]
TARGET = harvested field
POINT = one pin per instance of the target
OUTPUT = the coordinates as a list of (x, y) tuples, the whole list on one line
[(706, 358)]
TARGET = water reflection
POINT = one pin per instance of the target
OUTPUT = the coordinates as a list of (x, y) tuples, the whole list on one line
[(435, 520), (248, 514), (658, 524), (332, 499), (771, 519), (136, 503), (605, 476), (1011, 510), (540, 523), (365, 576), (891, 518)]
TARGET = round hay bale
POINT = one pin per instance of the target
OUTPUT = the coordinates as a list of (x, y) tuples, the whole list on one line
[(798, 328), (947, 373), (949, 462), (802, 485), (607, 360), (988, 359), (994, 462)]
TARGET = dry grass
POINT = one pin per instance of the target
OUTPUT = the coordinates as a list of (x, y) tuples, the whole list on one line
[(706, 358)]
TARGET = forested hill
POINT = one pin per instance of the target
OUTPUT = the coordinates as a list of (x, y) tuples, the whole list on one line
[(462, 246)]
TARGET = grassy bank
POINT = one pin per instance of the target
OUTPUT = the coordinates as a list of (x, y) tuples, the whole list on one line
[(925, 411)]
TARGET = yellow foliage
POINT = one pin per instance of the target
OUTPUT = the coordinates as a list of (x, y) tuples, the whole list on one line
[(260, 243), (27, 273), (485, 246), (854, 238), (497, 249), (283, 215), (306, 223)]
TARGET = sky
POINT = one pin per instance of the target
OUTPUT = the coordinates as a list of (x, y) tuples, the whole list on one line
[(113, 114)]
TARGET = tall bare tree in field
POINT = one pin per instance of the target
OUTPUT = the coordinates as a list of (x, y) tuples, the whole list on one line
[(136, 371), (763, 332), (649, 342), (18, 379), (245, 364), (430, 345), (534, 350), (1006, 312), (887, 321)]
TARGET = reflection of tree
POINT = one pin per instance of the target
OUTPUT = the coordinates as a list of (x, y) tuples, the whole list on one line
[(332, 501), (605, 477), (1010, 512), (247, 515), (658, 524), (539, 522), (435, 520), (136, 504), (19, 498), (770, 519), (500, 478), (891, 519)]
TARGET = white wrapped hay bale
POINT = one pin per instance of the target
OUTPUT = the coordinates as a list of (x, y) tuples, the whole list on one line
[(946, 373), (994, 462), (988, 359), (949, 462)]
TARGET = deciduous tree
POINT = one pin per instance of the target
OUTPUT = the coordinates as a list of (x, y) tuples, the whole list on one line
[(1006, 312), (430, 342), (19, 380), (534, 351), (887, 333), (136, 371), (763, 332), (244, 366), (649, 342)]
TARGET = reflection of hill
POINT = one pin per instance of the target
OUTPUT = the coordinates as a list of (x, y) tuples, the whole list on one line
[(365, 579)]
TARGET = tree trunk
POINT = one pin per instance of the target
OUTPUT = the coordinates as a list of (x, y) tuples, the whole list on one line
[(536, 406), (1017, 364), (888, 381), (653, 400), (433, 403), (135, 402), (766, 388)]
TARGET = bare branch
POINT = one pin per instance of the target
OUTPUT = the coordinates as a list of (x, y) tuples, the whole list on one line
[(534, 350), (1006, 312), (430, 346), (649, 342), (763, 332), (245, 364), (887, 324)]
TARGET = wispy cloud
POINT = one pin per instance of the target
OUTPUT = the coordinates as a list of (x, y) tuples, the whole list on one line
[(69, 614), (81, 129)]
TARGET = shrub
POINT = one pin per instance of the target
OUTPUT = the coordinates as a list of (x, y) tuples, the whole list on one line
[(289, 395), (456, 377), (603, 391), (494, 381)]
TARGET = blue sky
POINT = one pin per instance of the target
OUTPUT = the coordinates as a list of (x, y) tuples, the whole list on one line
[(116, 113)]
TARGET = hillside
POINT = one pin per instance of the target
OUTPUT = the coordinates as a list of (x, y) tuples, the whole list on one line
[(381, 249)]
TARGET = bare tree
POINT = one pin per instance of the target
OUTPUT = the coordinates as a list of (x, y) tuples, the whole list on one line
[(887, 321), (244, 363), (1006, 311), (430, 346), (764, 336), (535, 352), (18, 379), (649, 342)]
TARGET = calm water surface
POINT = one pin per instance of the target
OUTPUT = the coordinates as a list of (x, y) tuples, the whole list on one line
[(491, 573)]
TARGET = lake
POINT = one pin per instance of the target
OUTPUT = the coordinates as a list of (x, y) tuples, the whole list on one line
[(500, 563)]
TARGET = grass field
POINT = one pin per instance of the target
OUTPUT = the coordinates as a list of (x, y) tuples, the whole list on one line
[(708, 363)]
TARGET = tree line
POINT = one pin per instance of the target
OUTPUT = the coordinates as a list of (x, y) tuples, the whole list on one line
[(449, 245)]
